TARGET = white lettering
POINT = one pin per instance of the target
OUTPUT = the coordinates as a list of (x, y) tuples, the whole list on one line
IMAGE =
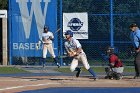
[(37, 11), (75, 24), (32, 46), (25, 46), (15, 45), (21, 46)]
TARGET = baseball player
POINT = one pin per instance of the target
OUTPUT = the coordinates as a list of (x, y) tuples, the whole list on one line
[(47, 38), (74, 49), (135, 38), (115, 69)]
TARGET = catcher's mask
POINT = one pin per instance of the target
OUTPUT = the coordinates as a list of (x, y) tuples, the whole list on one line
[(110, 50)]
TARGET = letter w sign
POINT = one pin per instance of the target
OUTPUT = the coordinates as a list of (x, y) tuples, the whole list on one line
[(27, 19)]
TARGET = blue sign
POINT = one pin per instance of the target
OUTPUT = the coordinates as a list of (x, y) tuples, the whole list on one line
[(27, 19)]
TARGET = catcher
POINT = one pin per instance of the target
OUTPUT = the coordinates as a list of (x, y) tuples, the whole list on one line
[(74, 49), (115, 69)]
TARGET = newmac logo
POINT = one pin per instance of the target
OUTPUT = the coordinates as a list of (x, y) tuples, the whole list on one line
[(75, 24)]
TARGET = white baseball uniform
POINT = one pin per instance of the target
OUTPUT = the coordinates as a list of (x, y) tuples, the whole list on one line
[(72, 45), (47, 44)]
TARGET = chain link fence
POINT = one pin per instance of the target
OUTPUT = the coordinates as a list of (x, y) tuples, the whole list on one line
[(124, 13)]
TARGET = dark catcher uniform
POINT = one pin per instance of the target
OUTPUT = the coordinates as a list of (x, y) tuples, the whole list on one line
[(115, 69)]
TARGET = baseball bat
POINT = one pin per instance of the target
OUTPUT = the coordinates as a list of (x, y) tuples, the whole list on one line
[(57, 30), (63, 56)]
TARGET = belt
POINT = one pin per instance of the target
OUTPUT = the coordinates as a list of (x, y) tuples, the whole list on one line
[(46, 43)]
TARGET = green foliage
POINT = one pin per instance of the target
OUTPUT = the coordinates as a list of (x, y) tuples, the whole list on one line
[(85, 6), (101, 24), (4, 4), (96, 69)]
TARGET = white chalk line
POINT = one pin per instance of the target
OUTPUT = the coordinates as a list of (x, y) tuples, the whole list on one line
[(19, 80), (16, 87)]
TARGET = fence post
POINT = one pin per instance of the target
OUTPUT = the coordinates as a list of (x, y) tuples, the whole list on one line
[(61, 34), (111, 24), (4, 42)]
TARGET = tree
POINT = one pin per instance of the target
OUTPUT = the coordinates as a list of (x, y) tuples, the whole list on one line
[(4, 4)]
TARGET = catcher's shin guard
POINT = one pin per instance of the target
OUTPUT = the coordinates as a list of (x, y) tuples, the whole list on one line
[(107, 70), (118, 76)]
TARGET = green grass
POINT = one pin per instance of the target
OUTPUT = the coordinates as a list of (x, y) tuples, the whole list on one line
[(96, 69), (11, 70)]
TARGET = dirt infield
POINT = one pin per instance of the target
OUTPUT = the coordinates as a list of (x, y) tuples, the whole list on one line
[(19, 84)]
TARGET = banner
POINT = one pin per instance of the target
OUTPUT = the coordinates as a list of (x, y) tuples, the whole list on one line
[(27, 20), (77, 23)]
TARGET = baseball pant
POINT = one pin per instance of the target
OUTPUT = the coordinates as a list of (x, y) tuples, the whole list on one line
[(118, 69), (137, 64), (48, 47), (81, 57)]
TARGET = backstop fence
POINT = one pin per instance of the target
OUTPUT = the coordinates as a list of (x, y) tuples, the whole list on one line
[(108, 25)]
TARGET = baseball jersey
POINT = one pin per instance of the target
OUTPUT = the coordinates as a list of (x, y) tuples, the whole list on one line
[(45, 37), (72, 45), (115, 60), (135, 38)]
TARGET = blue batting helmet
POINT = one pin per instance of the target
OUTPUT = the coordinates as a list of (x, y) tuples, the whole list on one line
[(69, 32)]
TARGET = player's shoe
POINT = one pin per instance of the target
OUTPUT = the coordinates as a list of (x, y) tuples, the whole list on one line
[(78, 72), (44, 65), (58, 65), (95, 78), (136, 77)]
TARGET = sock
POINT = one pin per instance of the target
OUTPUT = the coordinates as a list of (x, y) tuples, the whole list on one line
[(92, 72), (77, 69), (55, 60), (44, 61)]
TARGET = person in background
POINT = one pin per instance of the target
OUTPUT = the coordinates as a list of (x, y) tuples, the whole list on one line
[(47, 39), (135, 38)]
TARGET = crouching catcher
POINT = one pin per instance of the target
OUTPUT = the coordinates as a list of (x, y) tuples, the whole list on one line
[(115, 69)]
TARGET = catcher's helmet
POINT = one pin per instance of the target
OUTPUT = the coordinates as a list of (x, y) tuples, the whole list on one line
[(110, 50), (69, 32)]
